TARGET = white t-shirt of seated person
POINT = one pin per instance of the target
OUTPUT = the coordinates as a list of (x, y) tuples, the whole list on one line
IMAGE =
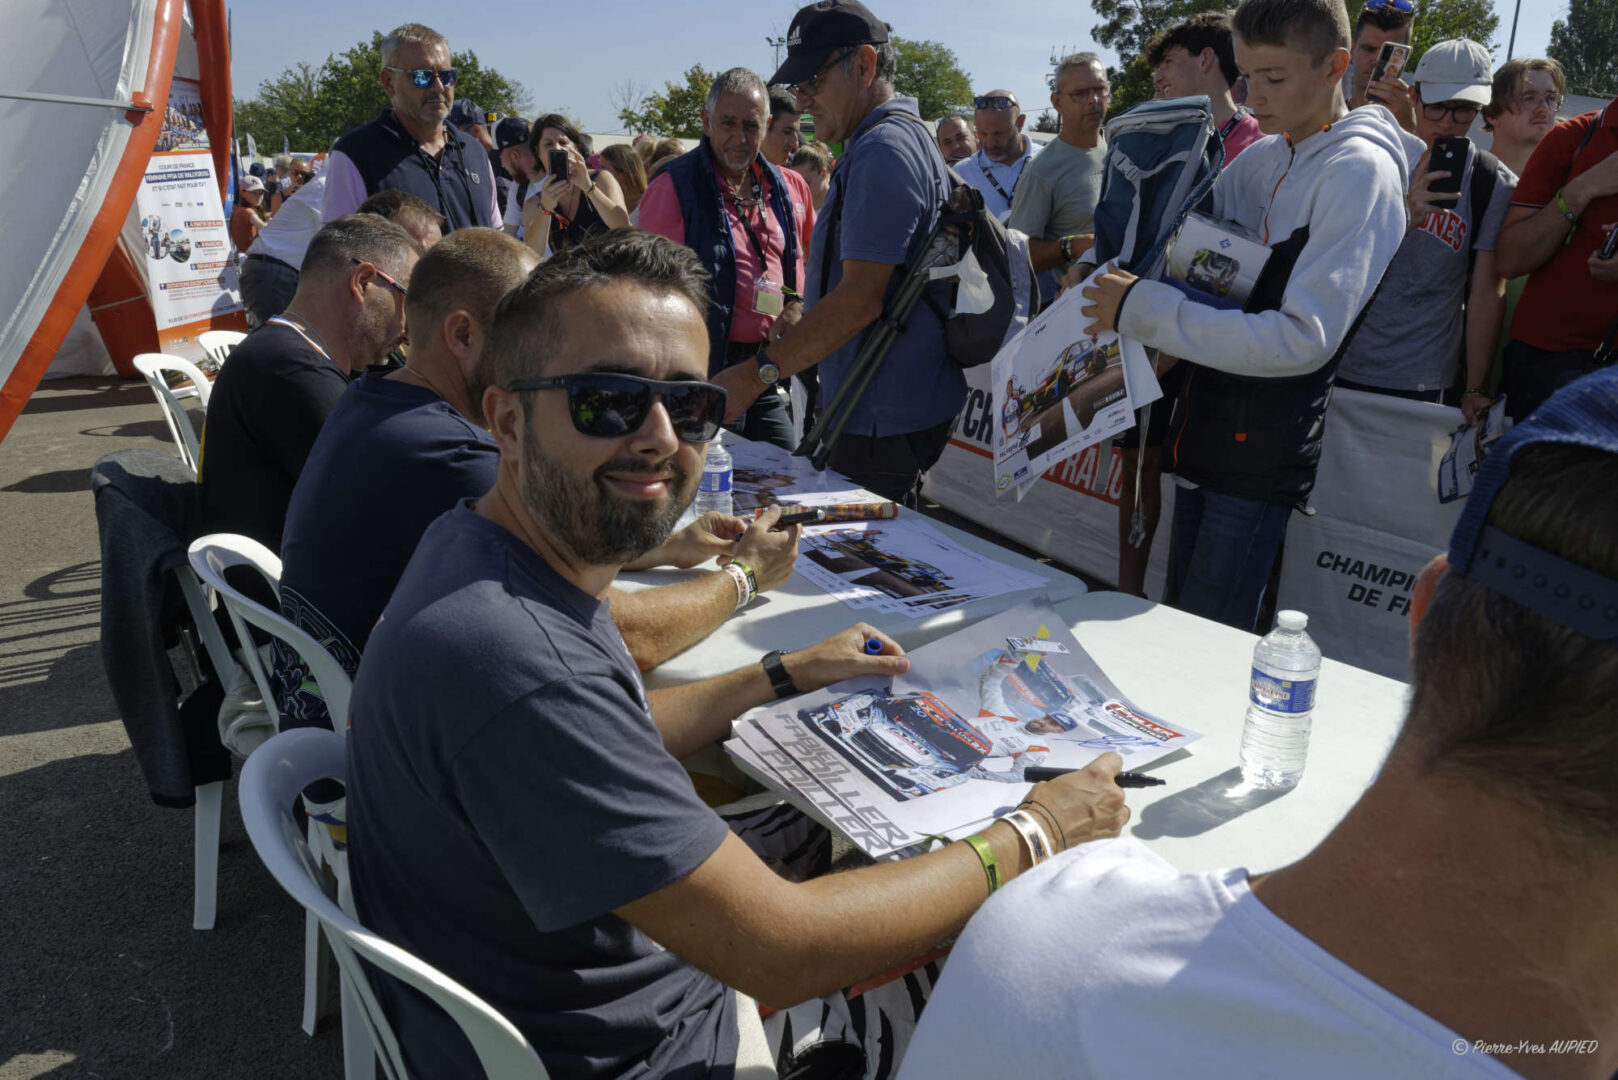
[(1106, 962)]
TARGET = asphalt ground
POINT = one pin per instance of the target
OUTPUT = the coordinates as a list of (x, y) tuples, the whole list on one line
[(101, 974)]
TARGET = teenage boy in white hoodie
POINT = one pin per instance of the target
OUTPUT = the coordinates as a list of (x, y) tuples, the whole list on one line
[(1326, 195)]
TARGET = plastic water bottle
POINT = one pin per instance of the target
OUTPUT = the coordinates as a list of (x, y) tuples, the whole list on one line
[(714, 494), (1281, 699)]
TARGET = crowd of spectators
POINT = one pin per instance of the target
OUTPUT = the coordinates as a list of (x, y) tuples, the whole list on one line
[(453, 504)]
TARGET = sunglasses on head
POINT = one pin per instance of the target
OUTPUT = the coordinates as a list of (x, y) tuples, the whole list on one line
[(995, 101), (1406, 7), (607, 405), (422, 78)]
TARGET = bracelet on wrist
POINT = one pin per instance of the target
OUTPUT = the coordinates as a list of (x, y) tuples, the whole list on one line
[(1051, 819), (739, 578), (750, 578), (1474, 392), (985, 852), (1567, 212), (1033, 835)]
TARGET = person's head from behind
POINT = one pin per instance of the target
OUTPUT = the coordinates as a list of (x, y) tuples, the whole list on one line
[(626, 167), (840, 66), (417, 75), (785, 133), (603, 462), (1193, 56), (955, 139), (998, 120), (1080, 93), (734, 118), (1293, 53), (415, 215), (1514, 665), (1523, 99), (357, 271), (454, 290), (511, 140), (1379, 21), (1452, 85), (813, 163)]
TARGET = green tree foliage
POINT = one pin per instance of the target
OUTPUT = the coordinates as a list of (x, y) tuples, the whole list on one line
[(1445, 20), (1586, 45), (312, 106), (673, 112), (930, 73)]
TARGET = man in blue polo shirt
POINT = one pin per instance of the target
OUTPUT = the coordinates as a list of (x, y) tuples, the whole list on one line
[(411, 146), (883, 201)]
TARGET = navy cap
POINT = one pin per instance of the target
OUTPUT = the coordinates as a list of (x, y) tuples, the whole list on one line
[(819, 31), (512, 131), (462, 113), (1584, 413)]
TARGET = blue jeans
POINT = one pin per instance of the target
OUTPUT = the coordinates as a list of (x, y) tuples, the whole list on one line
[(1221, 549)]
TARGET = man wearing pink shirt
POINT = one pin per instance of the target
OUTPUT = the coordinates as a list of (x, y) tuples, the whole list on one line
[(1195, 56), (748, 222)]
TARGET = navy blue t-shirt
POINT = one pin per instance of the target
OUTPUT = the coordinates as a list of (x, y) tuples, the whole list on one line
[(391, 457), (507, 790)]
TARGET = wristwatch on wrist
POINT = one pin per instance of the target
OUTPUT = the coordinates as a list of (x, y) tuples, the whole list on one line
[(769, 373), (780, 679), (1064, 247)]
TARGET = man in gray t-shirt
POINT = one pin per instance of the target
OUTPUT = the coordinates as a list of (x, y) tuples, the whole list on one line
[(1412, 337), (1057, 193)]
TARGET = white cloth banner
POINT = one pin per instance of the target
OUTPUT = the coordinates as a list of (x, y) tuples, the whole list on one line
[(1070, 513), (1351, 566)]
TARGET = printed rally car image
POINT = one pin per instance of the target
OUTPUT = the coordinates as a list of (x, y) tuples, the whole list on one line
[(1212, 272), (1087, 377), (858, 557), (912, 744)]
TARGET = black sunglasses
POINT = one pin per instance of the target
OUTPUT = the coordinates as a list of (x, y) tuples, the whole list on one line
[(607, 405), (422, 78)]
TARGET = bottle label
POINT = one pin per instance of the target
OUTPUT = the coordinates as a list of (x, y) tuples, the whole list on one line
[(716, 481), (1281, 695)]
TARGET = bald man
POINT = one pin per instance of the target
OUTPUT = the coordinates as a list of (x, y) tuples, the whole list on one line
[(1002, 152)]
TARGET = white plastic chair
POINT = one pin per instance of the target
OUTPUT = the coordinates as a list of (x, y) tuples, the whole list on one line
[(211, 556), (271, 780), (155, 366), (219, 343)]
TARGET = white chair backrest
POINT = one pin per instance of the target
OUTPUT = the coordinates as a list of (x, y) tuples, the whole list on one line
[(155, 367), (218, 343), (272, 778), (211, 556)]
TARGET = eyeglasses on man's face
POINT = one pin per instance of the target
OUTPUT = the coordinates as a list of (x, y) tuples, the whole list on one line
[(1530, 100), (1463, 112), (811, 86), (422, 78)]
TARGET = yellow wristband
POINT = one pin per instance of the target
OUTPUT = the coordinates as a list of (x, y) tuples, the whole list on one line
[(991, 865)]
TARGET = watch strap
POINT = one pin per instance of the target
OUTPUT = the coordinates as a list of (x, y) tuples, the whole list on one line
[(780, 678)]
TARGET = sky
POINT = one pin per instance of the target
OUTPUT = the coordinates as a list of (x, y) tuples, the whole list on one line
[(574, 58)]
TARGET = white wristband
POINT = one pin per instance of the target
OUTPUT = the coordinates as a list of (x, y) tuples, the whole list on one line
[(1032, 833), (743, 592)]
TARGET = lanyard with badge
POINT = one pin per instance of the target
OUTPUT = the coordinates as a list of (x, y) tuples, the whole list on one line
[(983, 167), (769, 297)]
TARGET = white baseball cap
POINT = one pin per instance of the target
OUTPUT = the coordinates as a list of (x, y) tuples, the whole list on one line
[(252, 183), (1457, 70)]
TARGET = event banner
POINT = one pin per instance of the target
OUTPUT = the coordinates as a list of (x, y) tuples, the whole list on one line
[(1070, 513), (1378, 520), (189, 272)]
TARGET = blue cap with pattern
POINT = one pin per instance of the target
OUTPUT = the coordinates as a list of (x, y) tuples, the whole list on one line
[(1585, 413)]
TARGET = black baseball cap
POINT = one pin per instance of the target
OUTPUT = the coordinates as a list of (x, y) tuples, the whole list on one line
[(512, 131), (464, 114), (821, 30)]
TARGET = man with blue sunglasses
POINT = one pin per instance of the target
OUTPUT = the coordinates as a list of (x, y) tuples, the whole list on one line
[(411, 146)]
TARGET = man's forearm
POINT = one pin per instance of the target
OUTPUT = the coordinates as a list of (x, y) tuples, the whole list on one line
[(1484, 310), (1531, 238), (1045, 254), (662, 622), (694, 715)]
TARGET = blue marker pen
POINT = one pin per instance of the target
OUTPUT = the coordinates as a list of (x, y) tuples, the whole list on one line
[(873, 646)]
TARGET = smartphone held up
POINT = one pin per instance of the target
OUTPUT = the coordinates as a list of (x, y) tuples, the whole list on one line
[(1449, 156), (1390, 64), (557, 165)]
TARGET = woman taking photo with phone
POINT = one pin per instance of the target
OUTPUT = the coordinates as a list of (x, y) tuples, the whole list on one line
[(573, 203)]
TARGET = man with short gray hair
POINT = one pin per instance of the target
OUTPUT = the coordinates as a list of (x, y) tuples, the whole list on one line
[(1003, 151), (411, 145), (272, 399), (749, 222), (955, 139)]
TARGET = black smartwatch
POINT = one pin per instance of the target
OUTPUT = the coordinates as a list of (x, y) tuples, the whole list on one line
[(780, 679)]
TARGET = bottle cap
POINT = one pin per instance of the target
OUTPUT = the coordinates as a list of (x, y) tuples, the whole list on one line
[(1291, 620)]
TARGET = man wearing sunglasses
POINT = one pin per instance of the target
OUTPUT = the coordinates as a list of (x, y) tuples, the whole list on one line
[(1003, 151), (411, 145), (1441, 301), (883, 200), (518, 816)]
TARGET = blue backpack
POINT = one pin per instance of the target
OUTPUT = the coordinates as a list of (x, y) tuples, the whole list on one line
[(1162, 160)]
